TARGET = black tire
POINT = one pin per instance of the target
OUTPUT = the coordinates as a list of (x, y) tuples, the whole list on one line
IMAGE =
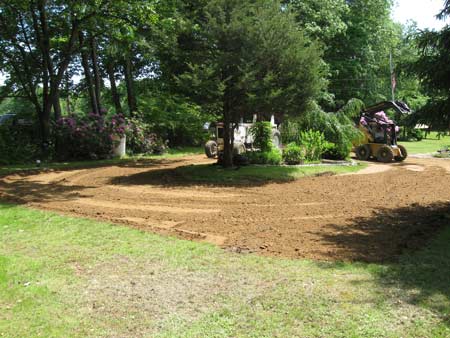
[(363, 152), (239, 148), (211, 149), (385, 154), (404, 154), (276, 139), (240, 160), (220, 158)]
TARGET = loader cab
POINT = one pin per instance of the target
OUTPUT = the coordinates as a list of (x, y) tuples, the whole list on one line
[(380, 133)]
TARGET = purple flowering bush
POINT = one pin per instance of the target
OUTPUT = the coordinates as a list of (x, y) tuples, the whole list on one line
[(141, 139), (94, 136), (118, 125), (86, 137)]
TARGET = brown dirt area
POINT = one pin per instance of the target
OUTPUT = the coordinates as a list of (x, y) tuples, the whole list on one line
[(373, 215)]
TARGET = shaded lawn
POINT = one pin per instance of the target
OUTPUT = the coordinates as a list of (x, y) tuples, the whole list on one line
[(69, 277), (172, 153), (428, 145), (215, 175), (206, 173)]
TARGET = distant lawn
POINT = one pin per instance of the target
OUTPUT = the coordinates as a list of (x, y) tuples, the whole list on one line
[(173, 152), (427, 146), (208, 173), (69, 277)]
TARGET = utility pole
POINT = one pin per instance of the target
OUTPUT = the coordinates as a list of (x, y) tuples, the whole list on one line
[(393, 80)]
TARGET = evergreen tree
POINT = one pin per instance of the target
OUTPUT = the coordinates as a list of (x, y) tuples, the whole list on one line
[(252, 59), (433, 68)]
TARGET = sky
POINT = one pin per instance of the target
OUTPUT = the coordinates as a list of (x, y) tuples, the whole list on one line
[(421, 11)]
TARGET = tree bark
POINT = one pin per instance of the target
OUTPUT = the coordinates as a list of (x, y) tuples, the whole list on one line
[(52, 76), (57, 106), (87, 75), (68, 108), (57, 110), (228, 136), (131, 97), (97, 75), (114, 92), (67, 89), (44, 123)]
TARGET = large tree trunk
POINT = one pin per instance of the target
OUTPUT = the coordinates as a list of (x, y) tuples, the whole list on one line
[(131, 96), (97, 76), (57, 109), (57, 106), (44, 117), (67, 89), (87, 75), (68, 108), (114, 92), (228, 136), (44, 122)]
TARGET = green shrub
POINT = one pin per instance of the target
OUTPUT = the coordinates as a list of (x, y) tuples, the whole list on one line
[(411, 134), (262, 140), (18, 144), (338, 128), (262, 136), (141, 139), (290, 132), (337, 151), (293, 154), (272, 157), (172, 117), (314, 144)]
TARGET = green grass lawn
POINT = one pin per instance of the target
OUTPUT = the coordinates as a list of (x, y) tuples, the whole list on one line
[(69, 277), (253, 174), (173, 152), (428, 145)]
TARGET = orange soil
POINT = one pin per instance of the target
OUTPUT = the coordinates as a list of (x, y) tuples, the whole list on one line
[(371, 216)]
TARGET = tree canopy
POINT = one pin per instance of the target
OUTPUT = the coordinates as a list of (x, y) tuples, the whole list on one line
[(254, 61), (176, 64)]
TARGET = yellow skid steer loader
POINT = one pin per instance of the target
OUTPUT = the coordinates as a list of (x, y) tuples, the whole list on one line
[(380, 133)]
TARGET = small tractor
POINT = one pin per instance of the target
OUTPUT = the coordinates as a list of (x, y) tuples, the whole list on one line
[(380, 133), (243, 138)]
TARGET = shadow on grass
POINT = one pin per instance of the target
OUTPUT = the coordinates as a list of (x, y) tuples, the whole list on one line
[(424, 275), (24, 171), (24, 191), (211, 175), (414, 245), (388, 233), (21, 192), (5, 206)]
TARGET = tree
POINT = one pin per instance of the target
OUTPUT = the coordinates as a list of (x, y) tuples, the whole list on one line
[(409, 88), (40, 40), (39, 48), (252, 59), (321, 20), (445, 11), (359, 56), (432, 67)]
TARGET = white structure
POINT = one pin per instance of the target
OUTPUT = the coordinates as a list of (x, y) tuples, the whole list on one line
[(120, 146)]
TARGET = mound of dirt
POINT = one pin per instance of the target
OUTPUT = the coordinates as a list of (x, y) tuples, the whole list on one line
[(372, 216)]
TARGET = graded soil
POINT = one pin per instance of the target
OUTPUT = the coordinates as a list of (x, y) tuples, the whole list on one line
[(371, 216)]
